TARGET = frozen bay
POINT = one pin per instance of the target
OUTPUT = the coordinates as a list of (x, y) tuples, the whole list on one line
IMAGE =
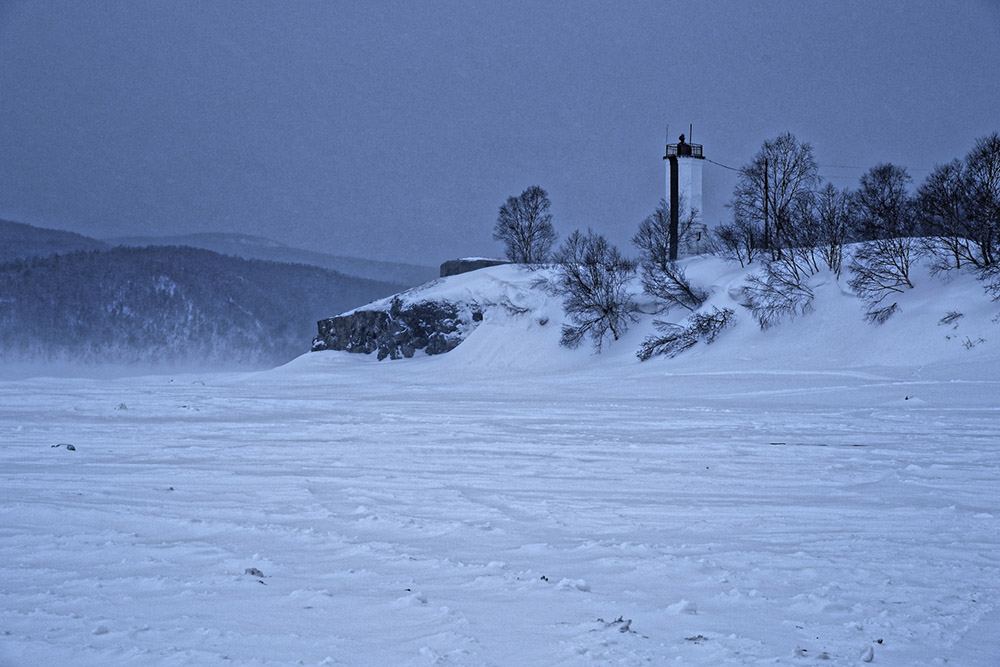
[(342, 511)]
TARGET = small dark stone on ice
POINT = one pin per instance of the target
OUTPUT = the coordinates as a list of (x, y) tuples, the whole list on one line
[(253, 572), (63, 444)]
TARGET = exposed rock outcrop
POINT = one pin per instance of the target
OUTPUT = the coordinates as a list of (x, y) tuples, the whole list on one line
[(435, 327)]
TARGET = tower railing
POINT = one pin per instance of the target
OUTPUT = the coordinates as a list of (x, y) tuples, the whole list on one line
[(695, 151)]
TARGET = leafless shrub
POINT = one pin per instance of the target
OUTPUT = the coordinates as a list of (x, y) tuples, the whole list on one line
[(881, 269), (669, 284), (740, 240), (950, 317), (675, 338), (593, 281), (781, 290)]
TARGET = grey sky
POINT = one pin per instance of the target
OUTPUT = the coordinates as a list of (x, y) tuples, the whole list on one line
[(396, 129)]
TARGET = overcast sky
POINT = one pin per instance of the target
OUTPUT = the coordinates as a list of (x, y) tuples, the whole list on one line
[(396, 129)]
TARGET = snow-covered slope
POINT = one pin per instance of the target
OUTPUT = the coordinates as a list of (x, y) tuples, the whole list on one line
[(522, 322), (822, 493)]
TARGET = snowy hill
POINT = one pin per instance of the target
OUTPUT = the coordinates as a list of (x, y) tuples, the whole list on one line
[(943, 320)]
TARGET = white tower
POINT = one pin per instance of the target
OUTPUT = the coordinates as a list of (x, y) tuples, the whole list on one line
[(684, 163)]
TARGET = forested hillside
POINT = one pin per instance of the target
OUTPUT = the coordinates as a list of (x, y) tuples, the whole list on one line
[(167, 305)]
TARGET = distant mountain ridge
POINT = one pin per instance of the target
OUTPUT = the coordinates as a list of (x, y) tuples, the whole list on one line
[(174, 305), (258, 247), (20, 241), (65, 297)]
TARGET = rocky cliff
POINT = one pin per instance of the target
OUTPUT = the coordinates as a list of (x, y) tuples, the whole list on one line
[(439, 315), (432, 326)]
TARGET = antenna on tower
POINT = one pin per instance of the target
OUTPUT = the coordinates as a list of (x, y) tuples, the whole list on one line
[(691, 133)]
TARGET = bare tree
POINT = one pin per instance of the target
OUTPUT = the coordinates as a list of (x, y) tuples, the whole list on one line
[(524, 225), (781, 289), (593, 280), (740, 240), (879, 271), (881, 265), (834, 222), (663, 278), (772, 186), (942, 204), (959, 208), (983, 165), (653, 237), (670, 286), (885, 208)]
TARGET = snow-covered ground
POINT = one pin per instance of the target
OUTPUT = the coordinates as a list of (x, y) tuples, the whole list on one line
[(822, 493)]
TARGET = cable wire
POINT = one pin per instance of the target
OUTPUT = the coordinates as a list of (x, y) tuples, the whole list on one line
[(724, 166)]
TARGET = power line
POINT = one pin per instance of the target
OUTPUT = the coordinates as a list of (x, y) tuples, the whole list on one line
[(724, 166), (825, 166), (822, 166)]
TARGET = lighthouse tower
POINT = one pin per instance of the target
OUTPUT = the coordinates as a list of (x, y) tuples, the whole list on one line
[(688, 234)]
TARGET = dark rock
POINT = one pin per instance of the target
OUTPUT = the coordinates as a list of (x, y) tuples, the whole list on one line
[(435, 327)]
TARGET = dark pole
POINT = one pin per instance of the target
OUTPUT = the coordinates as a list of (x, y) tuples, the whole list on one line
[(767, 223), (674, 208)]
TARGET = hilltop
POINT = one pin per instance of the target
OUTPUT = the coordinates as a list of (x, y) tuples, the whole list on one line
[(941, 321)]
